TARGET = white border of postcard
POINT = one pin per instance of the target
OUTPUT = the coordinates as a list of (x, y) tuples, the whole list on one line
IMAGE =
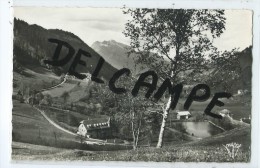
[(6, 17)]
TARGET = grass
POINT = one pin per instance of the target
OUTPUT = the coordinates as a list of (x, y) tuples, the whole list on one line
[(26, 123), (30, 149), (62, 118), (57, 92), (34, 80), (206, 150), (76, 92), (171, 154), (238, 109), (68, 117), (241, 135), (30, 126), (165, 154), (33, 135)]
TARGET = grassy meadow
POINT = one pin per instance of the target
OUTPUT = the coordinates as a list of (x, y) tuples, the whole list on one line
[(34, 80), (35, 138), (31, 140), (31, 127)]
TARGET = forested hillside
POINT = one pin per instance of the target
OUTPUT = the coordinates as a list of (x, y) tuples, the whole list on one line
[(31, 47)]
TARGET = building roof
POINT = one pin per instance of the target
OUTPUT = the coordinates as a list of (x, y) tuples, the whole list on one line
[(224, 112), (96, 123), (188, 86), (183, 113)]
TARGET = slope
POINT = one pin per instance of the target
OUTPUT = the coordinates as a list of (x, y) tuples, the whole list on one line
[(31, 47)]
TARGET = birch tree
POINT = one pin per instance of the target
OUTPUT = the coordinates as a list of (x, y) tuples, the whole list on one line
[(133, 111), (173, 42)]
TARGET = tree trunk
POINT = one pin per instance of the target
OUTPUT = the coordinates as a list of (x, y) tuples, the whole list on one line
[(165, 115), (133, 131), (166, 112), (138, 131)]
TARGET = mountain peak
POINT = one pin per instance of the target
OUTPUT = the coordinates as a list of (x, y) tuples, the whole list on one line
[(114, 53), (106, 43)]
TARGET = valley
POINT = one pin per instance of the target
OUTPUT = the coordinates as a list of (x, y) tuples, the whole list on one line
[(29, 130), (56, 116)]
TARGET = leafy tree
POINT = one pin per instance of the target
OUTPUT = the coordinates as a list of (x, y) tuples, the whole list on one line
[(45, 100), (130, 114), (38, 97), (48, 99), (226, 71), (65, 95), (62, 76), (53, 82), (173, 41)]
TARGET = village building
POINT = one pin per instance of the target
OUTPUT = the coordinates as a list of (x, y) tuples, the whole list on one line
[(224, 112), (69, 77), (98, 128), (242, 92), (187, 89), (246, 120), (183, 115), (88, 76)]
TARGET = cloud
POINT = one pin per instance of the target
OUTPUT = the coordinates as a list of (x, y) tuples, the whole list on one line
[(90, 24), (99, 24), (104, 26)]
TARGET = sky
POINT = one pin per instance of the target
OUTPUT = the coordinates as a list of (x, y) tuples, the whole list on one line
[(100, 24)]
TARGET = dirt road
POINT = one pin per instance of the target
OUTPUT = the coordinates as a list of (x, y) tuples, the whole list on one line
[(53, 123)]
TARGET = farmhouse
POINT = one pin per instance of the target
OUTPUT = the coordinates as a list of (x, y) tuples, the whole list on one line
[(224, 112), (95, 128), (242, 92), (183, 115)]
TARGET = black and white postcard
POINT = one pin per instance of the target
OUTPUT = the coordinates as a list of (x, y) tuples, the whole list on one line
[(132, 84)]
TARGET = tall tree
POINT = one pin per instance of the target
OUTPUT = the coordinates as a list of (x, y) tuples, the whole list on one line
[(226, 73), (65, 95), (173, 42), (130, 113)]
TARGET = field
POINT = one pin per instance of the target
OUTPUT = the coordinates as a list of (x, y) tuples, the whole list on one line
[(34, 80), (30, 126), (56, 92), (68, 119), (35, 138), (207, 150), (237, 109), (76, 91)]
